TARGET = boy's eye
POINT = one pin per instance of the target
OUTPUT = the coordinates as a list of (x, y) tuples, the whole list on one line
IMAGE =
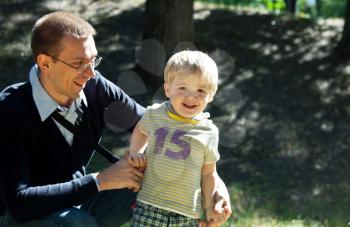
[(202, 91), (182, 88)]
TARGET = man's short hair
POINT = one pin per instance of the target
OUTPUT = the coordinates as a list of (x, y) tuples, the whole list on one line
[(49, 30), (189, 62)]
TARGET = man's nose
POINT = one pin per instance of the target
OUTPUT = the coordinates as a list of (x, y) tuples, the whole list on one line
[(89, 71)]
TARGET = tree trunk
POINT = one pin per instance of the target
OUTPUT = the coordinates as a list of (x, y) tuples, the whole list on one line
[(170, 23), (344, 45), (318, 7), (291, 6)]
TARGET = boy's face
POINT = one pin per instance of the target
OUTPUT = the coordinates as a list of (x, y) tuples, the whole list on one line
[(189, 95)]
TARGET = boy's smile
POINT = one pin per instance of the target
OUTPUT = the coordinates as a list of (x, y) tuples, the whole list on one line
[(188, 94)]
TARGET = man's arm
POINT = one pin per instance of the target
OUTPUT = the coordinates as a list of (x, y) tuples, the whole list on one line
[(27, 200), (222, 200), (222, 203), (29, 196)]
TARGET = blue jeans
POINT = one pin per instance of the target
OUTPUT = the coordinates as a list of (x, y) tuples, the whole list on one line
[(107, 208)]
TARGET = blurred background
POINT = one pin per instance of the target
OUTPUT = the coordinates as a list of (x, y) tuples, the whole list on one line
[(282, 104)]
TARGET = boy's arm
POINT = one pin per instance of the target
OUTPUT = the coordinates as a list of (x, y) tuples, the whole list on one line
[(138, 143), (208, 187)]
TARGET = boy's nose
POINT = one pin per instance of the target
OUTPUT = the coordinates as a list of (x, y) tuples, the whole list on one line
[(192, 95)]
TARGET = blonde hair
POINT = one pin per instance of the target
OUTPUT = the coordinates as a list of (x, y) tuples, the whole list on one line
[(49, 30), (190, 62)]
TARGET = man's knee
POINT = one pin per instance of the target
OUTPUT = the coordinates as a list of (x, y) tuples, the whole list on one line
[(63, 218), (71, 217)]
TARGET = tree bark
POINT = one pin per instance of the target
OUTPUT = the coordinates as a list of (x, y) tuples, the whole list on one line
[(318, 7), (291, 6), (344, 45), (170, 23)]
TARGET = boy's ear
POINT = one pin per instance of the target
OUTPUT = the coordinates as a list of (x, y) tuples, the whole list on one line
[(43, 62), (211, 97), (166, 89)]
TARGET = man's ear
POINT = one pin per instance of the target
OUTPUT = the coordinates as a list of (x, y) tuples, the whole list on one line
[(44, 63), (166, 89)]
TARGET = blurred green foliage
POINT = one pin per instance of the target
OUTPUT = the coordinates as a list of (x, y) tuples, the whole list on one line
[(305, 8), (273, 4)]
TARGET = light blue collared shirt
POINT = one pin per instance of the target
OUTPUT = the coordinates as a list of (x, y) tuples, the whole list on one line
[(46, 105)]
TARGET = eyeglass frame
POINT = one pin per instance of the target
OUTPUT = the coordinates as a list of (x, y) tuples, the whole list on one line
[(94, 63)]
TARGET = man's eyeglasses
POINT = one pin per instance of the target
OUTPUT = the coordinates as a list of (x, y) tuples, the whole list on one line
[(82, 67)]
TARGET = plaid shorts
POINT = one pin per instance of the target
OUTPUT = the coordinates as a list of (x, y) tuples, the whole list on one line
[(147, 215)]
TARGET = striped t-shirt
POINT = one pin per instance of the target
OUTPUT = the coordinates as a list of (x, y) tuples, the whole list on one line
[(175, 154)]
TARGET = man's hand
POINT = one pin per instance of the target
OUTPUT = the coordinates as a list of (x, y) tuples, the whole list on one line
[(215, 218), (222, 202), (209, 224), (222, 205), (137, 160), (120, 175)]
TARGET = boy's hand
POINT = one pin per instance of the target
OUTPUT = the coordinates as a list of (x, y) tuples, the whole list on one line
[(137, 160), (120, 175)]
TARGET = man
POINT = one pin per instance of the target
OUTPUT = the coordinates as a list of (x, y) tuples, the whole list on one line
[(42, 167)]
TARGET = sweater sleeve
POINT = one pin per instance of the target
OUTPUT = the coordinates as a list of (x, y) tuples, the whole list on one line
[(23, 200), (120, 111)]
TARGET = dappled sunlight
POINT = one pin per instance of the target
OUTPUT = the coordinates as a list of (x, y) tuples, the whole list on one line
[(21, 48), (59, 5), (346, 70), (228, 98), (282, 106), (201, 15), (11, 22), (244, 75), (150, 56), (293, 113), (225, 63), (232, 131), (250, 212), (113, 44)]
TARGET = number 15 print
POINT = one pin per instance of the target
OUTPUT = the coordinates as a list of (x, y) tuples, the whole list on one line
[(162, 133)]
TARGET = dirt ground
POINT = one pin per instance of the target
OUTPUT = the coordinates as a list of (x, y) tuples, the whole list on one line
[(282, 102)]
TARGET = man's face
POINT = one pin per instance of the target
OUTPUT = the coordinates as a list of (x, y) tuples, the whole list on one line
[(62, 81)]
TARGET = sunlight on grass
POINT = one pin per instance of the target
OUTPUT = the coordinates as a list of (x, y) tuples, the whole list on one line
[(253, 211), (256, 221)]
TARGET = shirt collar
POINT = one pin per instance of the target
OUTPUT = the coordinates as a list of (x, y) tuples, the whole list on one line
[(45, 104), (195, 120)]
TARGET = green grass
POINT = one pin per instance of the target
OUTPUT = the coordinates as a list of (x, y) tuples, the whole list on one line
[(259, 202), (254, 207), (289, 170)]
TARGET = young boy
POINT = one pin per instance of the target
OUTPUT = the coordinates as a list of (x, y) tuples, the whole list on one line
[(182, 147)]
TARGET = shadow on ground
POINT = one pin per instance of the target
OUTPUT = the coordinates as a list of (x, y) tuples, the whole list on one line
[(293, 160), (290, 159)]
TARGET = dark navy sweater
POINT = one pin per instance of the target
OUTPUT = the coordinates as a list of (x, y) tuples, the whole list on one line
[(39, 172)]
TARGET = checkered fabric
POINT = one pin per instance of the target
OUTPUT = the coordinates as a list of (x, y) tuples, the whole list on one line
[(149, 216)]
